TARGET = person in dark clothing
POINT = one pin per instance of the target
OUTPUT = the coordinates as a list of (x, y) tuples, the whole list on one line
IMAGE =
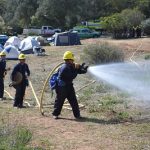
[(138, 32), (3, 72), (64, 89), (22, 68)]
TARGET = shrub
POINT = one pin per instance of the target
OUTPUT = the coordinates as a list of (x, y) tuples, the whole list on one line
[(147, 56), (102, 53), (146, 26)]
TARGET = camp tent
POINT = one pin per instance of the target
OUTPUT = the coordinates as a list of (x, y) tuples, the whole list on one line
[(3, 39), (27, 45), (1, 47), (66, 38), (11, 52), (14, 41)]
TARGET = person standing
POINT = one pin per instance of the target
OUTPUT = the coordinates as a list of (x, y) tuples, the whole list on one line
[(23, 69), (3, 72), (64, 89)]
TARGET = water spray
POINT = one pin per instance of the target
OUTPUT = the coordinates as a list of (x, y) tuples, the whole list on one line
[(126, 77)]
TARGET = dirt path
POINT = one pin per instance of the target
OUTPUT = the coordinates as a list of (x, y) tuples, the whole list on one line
[(93, 132)]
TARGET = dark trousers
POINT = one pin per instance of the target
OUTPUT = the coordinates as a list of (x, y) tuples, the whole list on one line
[(20, 92), (61, 94), (1, 87)]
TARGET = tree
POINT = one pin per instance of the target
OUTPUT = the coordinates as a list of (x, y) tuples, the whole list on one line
[(120, 23), (146, 26), (2, 6), (144, 6), (2, 23), (19, 12)]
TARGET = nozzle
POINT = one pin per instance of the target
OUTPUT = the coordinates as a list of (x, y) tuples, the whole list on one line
[(84, 67)]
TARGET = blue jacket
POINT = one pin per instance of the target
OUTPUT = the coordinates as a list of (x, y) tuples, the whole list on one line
[(2, 68), (22, 68), (67, 73)]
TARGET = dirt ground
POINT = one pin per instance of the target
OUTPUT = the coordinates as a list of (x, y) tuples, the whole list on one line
[(67, 133)]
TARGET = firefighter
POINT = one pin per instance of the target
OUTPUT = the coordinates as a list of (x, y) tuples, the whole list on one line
[(64, 89), (23, 69), (3, 72)]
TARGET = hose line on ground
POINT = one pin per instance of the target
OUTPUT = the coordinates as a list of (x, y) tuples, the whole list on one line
[(43, 89), (38, 103), (12, 98), (133, 54)]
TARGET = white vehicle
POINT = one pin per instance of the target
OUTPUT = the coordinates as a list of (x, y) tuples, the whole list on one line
[(45, 31)]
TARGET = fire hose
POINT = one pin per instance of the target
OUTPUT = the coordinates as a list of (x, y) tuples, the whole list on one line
[(137, 49), (11, 97), (47, 79), (45, 83), (40, 103), (30, 83)]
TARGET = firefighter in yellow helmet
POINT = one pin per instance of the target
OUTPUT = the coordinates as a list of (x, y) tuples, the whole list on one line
[(23, 69), (3, 72), (64, 89)]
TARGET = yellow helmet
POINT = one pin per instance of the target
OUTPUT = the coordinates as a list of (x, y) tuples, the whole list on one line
[(2, 54), (68, 55), (22, 56)]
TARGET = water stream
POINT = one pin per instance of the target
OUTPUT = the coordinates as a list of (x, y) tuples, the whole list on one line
[(129, 77)]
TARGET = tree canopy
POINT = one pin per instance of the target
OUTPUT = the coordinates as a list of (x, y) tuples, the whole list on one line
[(65, 13)]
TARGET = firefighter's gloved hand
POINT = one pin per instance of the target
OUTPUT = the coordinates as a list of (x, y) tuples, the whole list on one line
[(83, 64), (84, 67), (77, 66)]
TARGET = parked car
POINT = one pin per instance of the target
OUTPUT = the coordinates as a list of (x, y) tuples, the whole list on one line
[(3, 39), (86, 33)]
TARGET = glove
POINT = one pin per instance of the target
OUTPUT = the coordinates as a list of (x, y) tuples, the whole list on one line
[(84, 67)]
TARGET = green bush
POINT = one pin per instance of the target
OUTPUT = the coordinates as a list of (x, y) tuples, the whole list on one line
[(123, 116), (147, 56), (102, 53), (146, 26)]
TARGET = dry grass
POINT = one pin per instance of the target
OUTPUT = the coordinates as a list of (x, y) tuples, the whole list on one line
[(97, 130)]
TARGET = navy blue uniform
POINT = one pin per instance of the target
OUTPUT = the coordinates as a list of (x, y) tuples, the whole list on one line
[(20, 88), (65, 89), (2, 70)]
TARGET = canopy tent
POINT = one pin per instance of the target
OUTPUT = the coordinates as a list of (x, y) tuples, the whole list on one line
[(14, 41), (12, 52), (66, 38), (27, 45)]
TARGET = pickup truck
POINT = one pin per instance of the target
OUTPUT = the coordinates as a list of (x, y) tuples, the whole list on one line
[(44, 30)]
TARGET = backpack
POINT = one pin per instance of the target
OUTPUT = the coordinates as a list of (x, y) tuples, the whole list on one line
[(53, 80)]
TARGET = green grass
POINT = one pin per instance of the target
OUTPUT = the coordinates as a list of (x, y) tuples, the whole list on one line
[(113, 105), (14, 138)]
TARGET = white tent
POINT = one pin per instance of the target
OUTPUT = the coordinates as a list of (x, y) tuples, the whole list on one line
[(14, 41), (27, 45), (11, 52)]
